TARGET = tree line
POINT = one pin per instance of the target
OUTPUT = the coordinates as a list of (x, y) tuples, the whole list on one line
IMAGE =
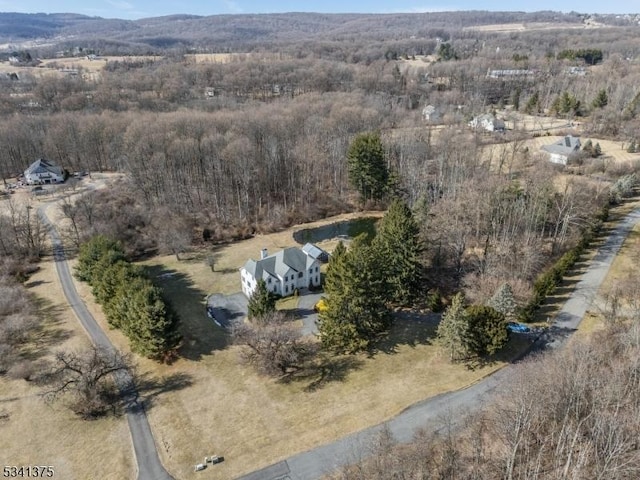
[(130, 301)]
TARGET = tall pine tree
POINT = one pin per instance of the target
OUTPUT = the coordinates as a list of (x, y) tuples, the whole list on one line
[(150, 325), (398, 245), (354, 295), (367, 166), (453, 331)]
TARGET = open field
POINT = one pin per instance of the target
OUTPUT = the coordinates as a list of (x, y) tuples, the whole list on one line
[(57, 66), (34, 433)]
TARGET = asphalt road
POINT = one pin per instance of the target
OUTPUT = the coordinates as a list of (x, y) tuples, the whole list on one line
[(148, 462), (430, 413)]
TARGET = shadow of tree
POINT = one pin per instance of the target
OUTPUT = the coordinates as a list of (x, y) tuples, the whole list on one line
[(409, 328), (325, 370), (150, 388), (200, 335), (50, 331)]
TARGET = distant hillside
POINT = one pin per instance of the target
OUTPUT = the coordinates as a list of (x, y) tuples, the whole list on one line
[(233, 32)]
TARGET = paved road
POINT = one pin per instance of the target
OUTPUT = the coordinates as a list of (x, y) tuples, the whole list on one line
[(429, 413), (149, 465)]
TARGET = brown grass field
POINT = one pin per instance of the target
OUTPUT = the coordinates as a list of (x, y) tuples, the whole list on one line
[(36, 433)]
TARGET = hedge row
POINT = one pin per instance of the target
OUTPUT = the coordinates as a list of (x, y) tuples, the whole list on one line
[(129, 299), (547, 282)]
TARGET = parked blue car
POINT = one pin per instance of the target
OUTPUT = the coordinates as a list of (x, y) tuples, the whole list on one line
[(517, 327)]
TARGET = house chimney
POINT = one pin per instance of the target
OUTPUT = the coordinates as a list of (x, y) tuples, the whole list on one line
[(263, 253)]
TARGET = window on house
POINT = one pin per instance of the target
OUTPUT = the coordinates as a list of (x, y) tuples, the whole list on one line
[(316, 269), (269, 280), (300, 275), (286, 289)]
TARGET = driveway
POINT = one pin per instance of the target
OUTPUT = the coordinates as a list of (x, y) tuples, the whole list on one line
[(308, 315), (430, 413), (227, 309)]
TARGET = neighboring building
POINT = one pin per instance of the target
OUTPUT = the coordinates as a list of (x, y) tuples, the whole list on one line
[(511, 73), (43, 171), (431, 114), (284, 272), (488, 123), (562, 151)]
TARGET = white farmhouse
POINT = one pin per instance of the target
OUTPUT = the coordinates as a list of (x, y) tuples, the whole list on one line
[(43, 171), (284, 272), (488, 123), (563, 150)]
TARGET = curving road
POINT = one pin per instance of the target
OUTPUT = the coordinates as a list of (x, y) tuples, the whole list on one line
[(148, 462), (430, 413)]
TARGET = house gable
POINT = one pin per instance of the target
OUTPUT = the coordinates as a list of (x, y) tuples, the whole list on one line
[(284, 272)]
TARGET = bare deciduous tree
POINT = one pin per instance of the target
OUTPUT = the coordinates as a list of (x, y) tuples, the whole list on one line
[(86, 380), (273, 345)]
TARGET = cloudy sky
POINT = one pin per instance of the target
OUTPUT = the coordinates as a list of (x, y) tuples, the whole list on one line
[(133, 9)]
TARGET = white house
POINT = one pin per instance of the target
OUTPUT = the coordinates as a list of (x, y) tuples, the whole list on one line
[(431, 114), (561, 151), (284, 272), (43, 171), (488, 123)]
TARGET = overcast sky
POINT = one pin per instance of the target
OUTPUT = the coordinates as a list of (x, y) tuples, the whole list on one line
[(133, 9)]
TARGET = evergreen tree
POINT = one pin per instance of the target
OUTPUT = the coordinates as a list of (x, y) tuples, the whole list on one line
[(597, 150), (367, 166), (487, 330), (151, 325), (398, 245), (503, 301), (601, 99), (533, 104), (453, 330), (446, 52), (632, 147), (92, 253), (262, 302), (355, 299)]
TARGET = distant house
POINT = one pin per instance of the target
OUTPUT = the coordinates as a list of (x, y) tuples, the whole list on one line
[(487, 122), (284, 272), (43, 171), (431, 114), (562, 151), (511, 73)]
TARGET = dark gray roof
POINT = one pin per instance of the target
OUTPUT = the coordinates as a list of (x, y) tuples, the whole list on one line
[(43, 166), (313, 251), (278, 264)]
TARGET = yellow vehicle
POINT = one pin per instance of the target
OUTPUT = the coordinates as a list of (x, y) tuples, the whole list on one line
[(320, 306)]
